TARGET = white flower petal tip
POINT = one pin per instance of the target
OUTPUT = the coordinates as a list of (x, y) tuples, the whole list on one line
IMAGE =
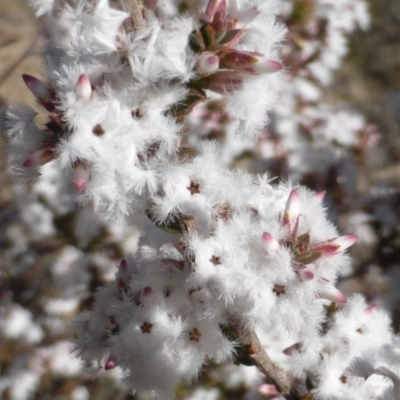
[(265, 65), (110, 363), (371, 308), (270, 244), (83, 88), (384, 371), (319, 196), (345, 242), (294, 348), (329, 292), (251, 63), (267, 390), (336, 245), (207, 63)]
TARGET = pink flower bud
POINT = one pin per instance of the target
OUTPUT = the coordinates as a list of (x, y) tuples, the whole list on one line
[(329, 292), (83, 88), (40, 157), (110, 363), (80, 176), (303, 272), (43, 94), (270, 244), (334, 246), (266, 66), (267, 390), (147, 291), (207, 63), (252, 63)]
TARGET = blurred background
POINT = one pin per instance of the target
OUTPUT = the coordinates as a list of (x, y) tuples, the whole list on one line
[(49, 270)]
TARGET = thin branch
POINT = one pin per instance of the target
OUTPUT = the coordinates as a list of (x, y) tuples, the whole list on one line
[(134, 9), (259, 356)]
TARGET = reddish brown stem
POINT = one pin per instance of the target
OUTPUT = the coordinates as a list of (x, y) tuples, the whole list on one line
[(262, 361)]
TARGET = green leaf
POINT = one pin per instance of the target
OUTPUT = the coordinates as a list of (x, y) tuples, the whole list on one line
[(304, 238), (308, 258)]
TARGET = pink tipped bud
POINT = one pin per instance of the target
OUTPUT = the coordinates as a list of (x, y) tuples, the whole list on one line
[(329, 292), (304, 273), (336, 245), (83, 88), (292, 349), (319, 196), (238, 60), (267, 390), (371, 308), (270, 244), (43, 94), (110, 363), (251, 63), (80, 176), (40, 157), (207, 63), (37, 87), (266, 66), (147, 291)]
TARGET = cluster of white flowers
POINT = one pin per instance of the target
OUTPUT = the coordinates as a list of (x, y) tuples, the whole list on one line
[(223, 256), (53, 254)]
